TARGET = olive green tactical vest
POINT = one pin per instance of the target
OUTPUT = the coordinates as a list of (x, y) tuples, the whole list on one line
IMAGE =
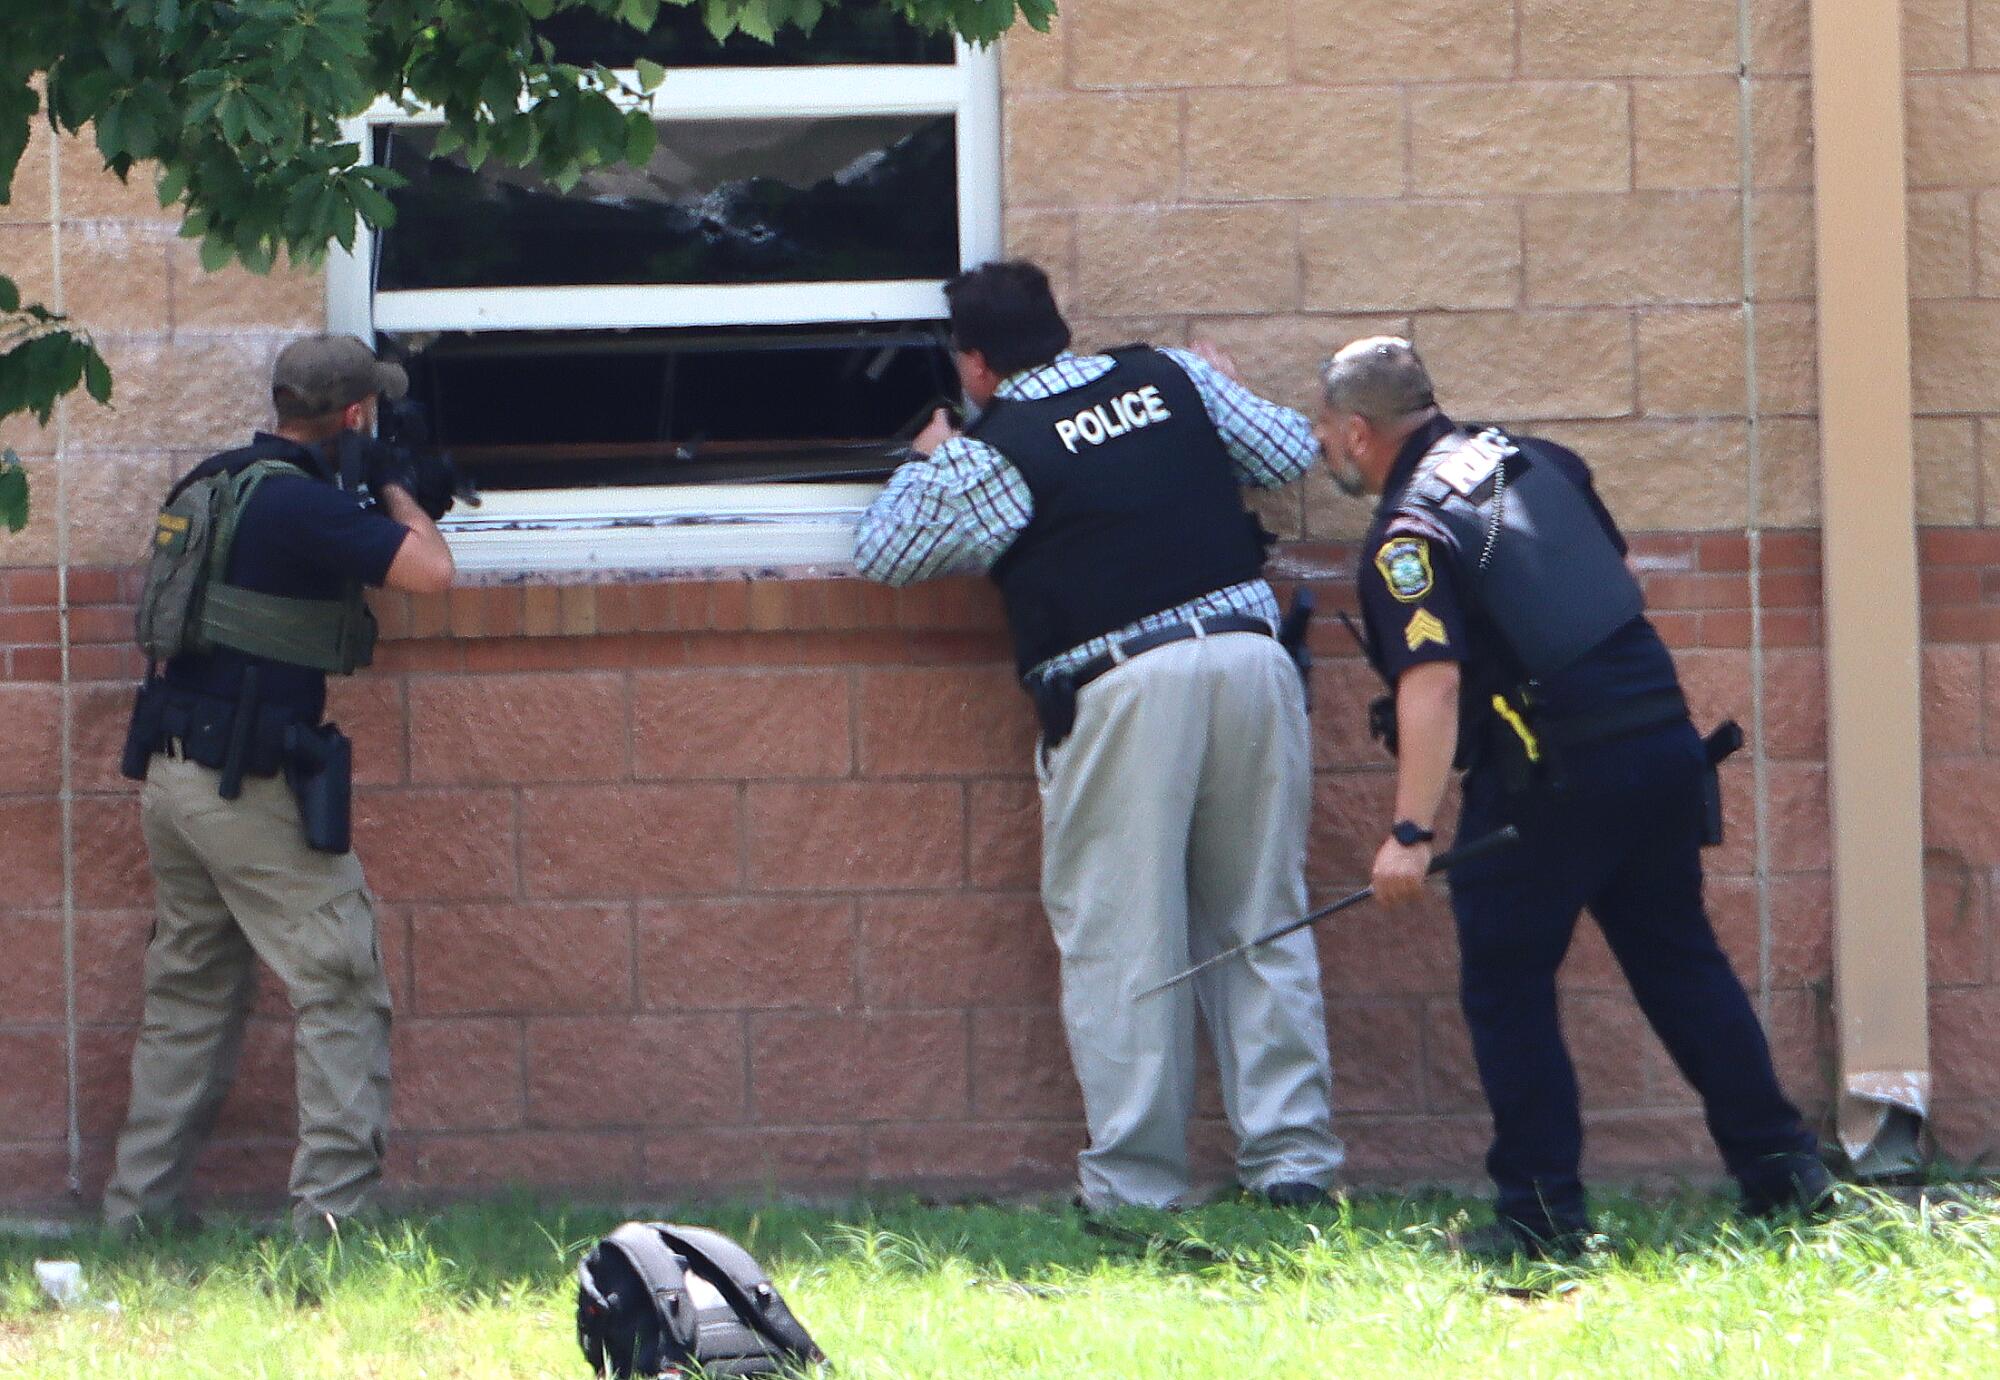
[(188, 605)]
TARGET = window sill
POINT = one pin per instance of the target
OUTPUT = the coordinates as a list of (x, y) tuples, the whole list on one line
[(730, 530)]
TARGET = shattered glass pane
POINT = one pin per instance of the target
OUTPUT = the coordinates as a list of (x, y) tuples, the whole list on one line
[(856, 199), (848, 34)]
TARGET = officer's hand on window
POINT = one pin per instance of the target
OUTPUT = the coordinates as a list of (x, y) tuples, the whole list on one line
[(935, 434), (1399, 872)]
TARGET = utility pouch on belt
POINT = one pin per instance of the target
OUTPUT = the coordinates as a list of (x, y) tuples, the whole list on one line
[(319, 767), (1722, 743), (1055, 706)]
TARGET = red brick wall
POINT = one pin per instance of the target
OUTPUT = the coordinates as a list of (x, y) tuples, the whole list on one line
[(698, 886)]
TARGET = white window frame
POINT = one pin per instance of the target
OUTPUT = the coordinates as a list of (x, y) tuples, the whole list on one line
[(685, 528)]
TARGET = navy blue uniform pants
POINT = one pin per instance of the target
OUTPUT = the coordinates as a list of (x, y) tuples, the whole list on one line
[(1621, 838)]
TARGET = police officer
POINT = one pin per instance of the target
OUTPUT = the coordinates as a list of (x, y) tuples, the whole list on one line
[(1101, 494), (1499, 608), (218, 736)]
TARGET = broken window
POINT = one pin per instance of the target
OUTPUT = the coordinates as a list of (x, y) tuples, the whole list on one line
[(744, 331), (864, 199)]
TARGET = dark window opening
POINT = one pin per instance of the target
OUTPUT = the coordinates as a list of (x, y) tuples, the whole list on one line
[(679, 38), (869, 198), (537, 410)]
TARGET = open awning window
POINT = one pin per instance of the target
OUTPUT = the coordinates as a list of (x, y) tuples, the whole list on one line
[(756, 312), (748, 405)]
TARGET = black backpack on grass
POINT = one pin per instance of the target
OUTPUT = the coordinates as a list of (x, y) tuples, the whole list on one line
[(657, 1299)]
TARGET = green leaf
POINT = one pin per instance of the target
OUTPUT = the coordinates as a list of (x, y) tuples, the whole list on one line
[(375, 208), (754, 19), (448, 141), (255, 253), (216, 252), (97, 376), (642, 136), (18, 105), (640, 14), (10, 296), (111, 132), (651, 74), (13, 492), (173, 181), (720, 22), (231, 111)]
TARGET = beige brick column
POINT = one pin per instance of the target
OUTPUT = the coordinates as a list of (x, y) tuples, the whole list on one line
[(1868, 480)]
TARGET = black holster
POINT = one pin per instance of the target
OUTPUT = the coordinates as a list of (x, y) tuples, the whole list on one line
[(1382, 721), (1292, 636), (1054, 695), (143, 731), (319, 767), (1721, 744)]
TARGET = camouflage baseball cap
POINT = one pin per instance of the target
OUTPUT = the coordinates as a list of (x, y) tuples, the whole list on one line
[(318, 374)]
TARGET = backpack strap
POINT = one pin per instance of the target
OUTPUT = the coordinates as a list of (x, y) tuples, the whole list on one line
[(743, 1284), (660, 1272), (232, 461)]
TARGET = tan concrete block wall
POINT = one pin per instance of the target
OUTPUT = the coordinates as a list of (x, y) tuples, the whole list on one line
[(190, 351), (1953, 109), (1553, 196)]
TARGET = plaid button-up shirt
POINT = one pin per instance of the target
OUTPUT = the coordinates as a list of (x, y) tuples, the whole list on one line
[(957, 511)]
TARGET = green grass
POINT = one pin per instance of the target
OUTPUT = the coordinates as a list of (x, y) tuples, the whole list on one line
[(905, 1290)]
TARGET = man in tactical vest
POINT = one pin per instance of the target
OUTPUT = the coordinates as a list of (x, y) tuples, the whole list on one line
[(1102, 495), (1500, 610), (245, 797)]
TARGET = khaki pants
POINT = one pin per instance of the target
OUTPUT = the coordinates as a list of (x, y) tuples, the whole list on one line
[(1173, 826), (235, 883)]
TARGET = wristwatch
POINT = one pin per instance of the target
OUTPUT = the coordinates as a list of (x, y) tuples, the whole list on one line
[(1409, 833)]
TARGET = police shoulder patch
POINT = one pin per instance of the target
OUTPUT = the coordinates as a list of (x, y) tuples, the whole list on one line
[(1405, 563)]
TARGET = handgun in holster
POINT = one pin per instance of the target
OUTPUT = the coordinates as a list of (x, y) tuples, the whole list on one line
[(142, 731), (319, 767), (1722, 743), (1054, 695), (1292, 636)]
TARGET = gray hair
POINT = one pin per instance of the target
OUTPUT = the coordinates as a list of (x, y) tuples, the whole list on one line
[(1379, 378)]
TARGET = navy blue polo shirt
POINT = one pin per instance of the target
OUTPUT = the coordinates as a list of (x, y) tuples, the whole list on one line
[(1415, 610), (304, 538)]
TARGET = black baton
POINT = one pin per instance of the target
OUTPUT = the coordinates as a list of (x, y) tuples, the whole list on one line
[(1499, 838)]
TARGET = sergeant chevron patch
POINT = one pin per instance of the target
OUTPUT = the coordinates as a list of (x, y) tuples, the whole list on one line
[(1423, 627)]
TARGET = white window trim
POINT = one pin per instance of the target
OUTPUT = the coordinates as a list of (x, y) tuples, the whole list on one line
[(685, 528)]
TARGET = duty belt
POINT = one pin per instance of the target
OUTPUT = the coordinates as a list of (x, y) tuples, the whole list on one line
[(1054, 693), (1122, 652), (1628, 716)]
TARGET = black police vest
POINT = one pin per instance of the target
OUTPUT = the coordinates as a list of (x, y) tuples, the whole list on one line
[(1531, 552), (1136, 505)]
